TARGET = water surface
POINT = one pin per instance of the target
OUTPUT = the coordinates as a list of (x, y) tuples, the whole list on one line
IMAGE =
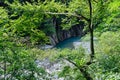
[(67, 43)]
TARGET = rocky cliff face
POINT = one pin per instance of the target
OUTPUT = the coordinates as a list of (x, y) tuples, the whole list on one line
[(61, 34)]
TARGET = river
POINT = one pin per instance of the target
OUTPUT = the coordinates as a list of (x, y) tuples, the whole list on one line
[(67, 43)]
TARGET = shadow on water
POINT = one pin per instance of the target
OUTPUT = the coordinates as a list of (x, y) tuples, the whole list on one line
[(67, 43)]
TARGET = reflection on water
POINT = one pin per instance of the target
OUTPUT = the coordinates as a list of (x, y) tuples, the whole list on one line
[(67, 43)]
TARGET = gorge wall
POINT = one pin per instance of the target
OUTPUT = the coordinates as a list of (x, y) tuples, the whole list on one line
[(60, 34)]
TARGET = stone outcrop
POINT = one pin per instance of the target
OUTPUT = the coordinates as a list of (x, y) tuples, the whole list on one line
[(61, 34)]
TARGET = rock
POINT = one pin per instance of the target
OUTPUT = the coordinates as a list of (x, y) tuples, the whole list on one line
[(53, 39), (47, 47), (60, 34), (95, 39), (85, 45), (53, 68)]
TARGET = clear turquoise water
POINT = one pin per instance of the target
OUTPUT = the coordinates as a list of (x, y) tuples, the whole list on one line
[(67, 43)]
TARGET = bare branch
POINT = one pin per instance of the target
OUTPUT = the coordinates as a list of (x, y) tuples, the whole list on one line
[(71, 14)]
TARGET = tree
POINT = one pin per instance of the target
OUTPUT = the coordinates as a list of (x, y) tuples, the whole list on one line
[(27, 17), (28, 21), (16, 60), (90, 25), (108, 16), (74, 9)]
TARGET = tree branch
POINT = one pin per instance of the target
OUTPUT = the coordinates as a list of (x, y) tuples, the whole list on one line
[(81, 69), (71, 14), (72, 62)]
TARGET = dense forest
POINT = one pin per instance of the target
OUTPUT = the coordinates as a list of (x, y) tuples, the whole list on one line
[(34, 35)]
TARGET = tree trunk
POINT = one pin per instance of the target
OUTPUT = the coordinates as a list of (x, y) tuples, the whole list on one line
[(85, 73), (91, 32)]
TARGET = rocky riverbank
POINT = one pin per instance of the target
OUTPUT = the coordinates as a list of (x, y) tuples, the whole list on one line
[(54, 68)]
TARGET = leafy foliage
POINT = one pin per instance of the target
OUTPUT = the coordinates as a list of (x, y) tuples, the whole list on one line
[(109, 16), (17, 61), (34, 20), (19, 64), (3, 16), (69, 58), (107, 57)]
